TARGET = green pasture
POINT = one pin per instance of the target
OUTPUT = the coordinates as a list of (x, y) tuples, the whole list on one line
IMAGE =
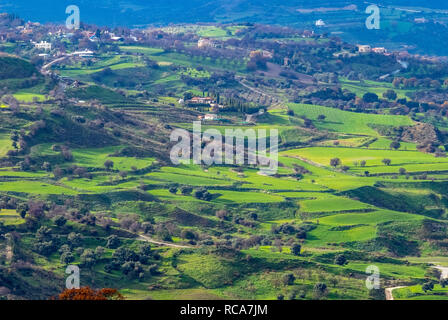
[(10, 217), (96, 157), (410, 160), (34, 187), (370, 218), (229, 197), (323, 235), (346, 121), (5, 144)]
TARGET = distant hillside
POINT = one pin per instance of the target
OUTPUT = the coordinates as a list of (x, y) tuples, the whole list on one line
[(14, 68), (343, 18)]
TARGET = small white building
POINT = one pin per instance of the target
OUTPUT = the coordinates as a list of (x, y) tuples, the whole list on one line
[(380, 50), (320, 23), (211, 116), (364, 48), (206, 42), (420, 20), (83, 54), (43, 45)]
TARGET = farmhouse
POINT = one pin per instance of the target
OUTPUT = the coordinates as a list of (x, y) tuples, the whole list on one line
[(83, 54), (380, 50), (43, 45), (201, 100), (211, 116), (320, 23), (262, 53), (420, 20), (364, 48), (206, 42)]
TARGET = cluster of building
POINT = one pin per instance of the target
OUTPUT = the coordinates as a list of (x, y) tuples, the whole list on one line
[(204, 101), (367, 49)]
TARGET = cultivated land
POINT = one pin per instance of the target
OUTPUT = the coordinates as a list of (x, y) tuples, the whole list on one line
[(86, 178)]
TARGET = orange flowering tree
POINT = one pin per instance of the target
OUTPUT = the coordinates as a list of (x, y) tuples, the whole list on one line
[(87, 293)]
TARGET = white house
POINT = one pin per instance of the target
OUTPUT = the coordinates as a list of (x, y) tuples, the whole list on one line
[(211, 116), (364, 48), (43, 45), (83, 54), (320, 23)]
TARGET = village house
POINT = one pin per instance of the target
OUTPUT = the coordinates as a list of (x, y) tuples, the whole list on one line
[(83, 53), (215, 107), (320, 23), (201, 100), (262, 53), (364, 48), (380, 50), (43, 45), (211, 116), (206, 43), (420, 20)]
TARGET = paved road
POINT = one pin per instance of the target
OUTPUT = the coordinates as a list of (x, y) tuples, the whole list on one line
[(444, 275)]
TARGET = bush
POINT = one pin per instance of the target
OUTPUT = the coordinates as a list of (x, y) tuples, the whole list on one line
[(113, 242), (340, 259)]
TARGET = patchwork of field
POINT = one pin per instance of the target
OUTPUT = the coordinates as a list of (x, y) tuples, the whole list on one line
[(361, 88), (5, 144), (10, 217), (412, 161), (416, 293)]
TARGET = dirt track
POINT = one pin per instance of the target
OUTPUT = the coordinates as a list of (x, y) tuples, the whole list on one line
[(148, 239)]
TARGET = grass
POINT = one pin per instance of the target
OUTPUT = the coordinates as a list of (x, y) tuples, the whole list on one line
[(331, 204), (5, 144), (28, 97), (34, 187), (323, 235), (346, 121), (416, 293), (96, 157), (10, 217), (361, 88), (244, 197)]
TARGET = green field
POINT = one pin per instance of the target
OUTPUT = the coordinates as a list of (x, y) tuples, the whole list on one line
[(410, 160), (346, 121)]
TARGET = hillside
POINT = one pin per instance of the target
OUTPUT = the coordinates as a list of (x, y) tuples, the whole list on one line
[(342, 18), (87, 176)]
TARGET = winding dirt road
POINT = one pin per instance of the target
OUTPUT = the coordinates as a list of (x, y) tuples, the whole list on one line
[(389, 295), (444, 275), (161, 243)]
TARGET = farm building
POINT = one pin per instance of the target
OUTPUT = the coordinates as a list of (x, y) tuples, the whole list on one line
[(364, 48), (206, 42), (320, 23), (201, 100), (380, 50), (262, 53)]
